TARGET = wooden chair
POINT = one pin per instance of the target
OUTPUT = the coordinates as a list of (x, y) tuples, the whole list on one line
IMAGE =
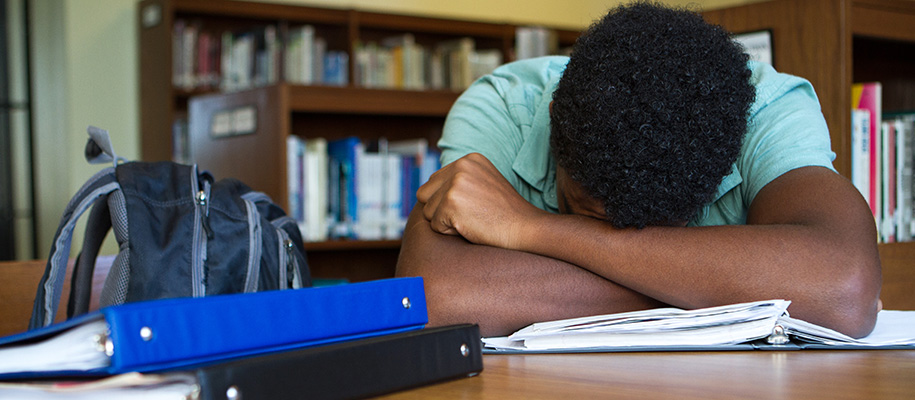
[(19, 282)]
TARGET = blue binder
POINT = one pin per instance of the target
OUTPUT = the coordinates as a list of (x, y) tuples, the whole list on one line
[(172, 333)]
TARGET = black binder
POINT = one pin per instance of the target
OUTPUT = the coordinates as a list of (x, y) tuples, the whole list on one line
[(354, 369)]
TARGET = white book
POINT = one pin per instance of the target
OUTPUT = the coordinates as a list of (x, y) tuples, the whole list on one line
[(306, 62), (369, 197), (860, 154), (242, 62), (316, 189), (317, 59), (524, 42), (292, 56), (887, 228), (273, 55), (482, 62), (225, 62), (393, 196)]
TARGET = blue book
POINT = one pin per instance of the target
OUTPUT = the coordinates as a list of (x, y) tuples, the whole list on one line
[(336, 68), (345, 154), (168, 334)]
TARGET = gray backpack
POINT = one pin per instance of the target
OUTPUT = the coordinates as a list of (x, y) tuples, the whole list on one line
[(179, 232)]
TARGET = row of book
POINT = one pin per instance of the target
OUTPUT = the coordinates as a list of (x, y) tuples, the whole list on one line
[(536, 41), (230, 60), (882, 161), (347, 188), (236, 60), (398, 62), (342, 341)]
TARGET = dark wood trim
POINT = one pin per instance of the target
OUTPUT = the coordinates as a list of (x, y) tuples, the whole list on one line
[(353, 100)]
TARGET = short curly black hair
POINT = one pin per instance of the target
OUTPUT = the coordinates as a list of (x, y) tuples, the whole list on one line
[(650, 113)]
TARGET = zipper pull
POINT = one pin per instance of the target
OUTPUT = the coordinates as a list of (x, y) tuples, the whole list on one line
[(202, 202), (290, 263)]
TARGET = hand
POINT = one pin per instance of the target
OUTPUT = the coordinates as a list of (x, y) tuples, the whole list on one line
[(470, 198)]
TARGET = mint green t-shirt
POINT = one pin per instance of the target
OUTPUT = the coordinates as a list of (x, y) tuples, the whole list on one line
[(505, 116)]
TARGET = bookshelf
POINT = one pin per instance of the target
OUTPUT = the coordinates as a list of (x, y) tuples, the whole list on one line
[(834, 43), (284, 108)]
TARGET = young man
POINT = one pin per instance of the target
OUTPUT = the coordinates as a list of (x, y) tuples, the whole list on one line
[(656, 166)]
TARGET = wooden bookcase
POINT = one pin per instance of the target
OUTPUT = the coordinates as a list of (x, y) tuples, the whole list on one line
[(834, 43), (259, 158)]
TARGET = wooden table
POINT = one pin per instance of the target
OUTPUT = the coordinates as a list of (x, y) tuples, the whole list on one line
[(807, 374)]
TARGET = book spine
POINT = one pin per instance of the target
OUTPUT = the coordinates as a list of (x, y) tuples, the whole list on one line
[(345, 154), (888, 179), (316, 189), (860, 154), (866, 96), (294, 178), (903, 181)]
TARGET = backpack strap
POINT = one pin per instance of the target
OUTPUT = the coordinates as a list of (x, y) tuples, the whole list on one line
[(255, 230), (47, 298), (97, 227)]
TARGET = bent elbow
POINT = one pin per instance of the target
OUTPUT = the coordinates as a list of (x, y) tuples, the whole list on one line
[(857, 299)]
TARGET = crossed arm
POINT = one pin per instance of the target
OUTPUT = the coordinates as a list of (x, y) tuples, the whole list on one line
[(490, 257)]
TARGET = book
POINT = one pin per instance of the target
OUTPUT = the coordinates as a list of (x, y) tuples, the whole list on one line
[(418, 163), (171, 333), (344, 156), (867, 96), (455, 62), (744, 326), (336, 68), (535, 41), (315, 189), (295, 179), (353, 369), (860, 153), (887, 228), (905, 161)]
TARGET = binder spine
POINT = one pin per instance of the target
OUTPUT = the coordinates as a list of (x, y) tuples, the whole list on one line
[(172, 333), (356, 369)]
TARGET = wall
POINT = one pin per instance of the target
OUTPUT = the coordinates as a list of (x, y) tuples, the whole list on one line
[(85, 73)]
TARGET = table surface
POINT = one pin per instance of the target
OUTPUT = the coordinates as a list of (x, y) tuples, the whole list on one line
[(802, 374)]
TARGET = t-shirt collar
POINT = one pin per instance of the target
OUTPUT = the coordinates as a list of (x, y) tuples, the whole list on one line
[(534, 163)]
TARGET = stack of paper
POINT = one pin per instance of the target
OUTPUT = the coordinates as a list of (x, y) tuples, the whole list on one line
[(733, 327), (658, 327), (894, 328)]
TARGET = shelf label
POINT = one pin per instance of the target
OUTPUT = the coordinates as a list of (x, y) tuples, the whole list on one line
[(234, 122)]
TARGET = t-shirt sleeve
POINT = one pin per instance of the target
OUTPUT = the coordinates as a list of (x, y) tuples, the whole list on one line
[(480, 122), (786, 133)]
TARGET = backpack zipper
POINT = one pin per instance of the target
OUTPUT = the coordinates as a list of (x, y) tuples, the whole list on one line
[(290, 277), (202, 232), (202, 201)]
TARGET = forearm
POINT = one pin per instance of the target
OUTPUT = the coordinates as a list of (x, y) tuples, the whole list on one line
[(701, 267), (503, 290), (829, 270)]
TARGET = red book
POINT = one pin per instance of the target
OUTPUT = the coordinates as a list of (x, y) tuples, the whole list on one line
[(866, 96)]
